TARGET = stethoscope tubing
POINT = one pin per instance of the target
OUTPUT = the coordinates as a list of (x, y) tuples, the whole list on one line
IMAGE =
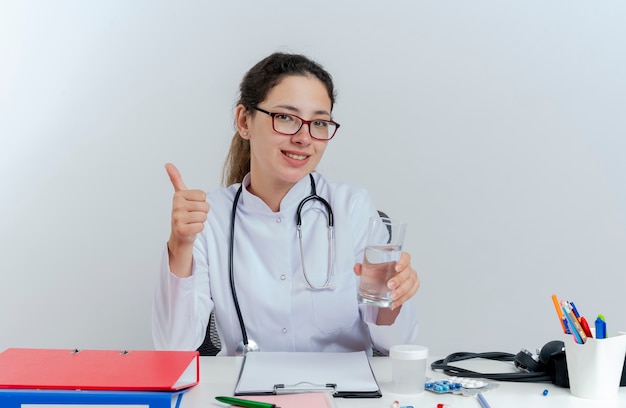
[(244, 334), (247, 344), (314, 196)]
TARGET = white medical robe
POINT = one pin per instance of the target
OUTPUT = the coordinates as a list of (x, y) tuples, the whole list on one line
[(279, 311)]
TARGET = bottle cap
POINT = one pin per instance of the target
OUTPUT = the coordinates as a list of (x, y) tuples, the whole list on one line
[(408, 352)]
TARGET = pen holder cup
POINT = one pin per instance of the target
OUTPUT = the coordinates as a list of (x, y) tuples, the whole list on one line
[(595, 367)]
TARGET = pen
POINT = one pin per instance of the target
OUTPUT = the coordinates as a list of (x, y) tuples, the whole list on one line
[(245, 403), (577, 330), (482, 400), (573, 306), (577, 337)]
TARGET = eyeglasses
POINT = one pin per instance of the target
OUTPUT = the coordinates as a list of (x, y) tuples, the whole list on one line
[(288, 124)]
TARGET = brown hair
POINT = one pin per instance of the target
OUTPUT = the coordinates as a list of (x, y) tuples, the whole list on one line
[(254, 87)]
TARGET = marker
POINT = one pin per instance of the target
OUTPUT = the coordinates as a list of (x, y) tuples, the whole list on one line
[(600, 327), (585, 326), (559, 312), (245, 403)]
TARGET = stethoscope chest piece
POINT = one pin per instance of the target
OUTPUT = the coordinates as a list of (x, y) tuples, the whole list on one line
[(243, 349)]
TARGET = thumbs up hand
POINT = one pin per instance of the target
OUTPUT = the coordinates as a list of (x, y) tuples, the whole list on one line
[(189, 212)]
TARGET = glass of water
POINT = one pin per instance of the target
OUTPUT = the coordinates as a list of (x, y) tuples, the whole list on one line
[(385, 237)]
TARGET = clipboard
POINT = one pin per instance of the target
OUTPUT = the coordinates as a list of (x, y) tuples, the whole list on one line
[(345, 375)]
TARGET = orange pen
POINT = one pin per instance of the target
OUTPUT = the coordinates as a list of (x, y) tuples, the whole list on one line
[(559, 312)]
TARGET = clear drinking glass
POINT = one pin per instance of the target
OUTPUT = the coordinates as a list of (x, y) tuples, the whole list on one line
[(383, 248)]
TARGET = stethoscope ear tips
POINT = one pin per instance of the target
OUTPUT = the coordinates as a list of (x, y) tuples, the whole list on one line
[(243, 349)]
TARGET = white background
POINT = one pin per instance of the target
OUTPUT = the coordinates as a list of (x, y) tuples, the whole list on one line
[(496, 129)]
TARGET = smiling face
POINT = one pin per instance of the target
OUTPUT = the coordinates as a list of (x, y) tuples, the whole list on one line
[(278, 161)]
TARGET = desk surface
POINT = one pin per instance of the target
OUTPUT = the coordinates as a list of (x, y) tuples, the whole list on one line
[(218, 376)]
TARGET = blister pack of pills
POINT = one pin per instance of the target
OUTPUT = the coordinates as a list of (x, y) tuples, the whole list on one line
[(459, 385)]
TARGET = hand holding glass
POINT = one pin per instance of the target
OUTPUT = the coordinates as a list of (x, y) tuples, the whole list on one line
[(383, 249)]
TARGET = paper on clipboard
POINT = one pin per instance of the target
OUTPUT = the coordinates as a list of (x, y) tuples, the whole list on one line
[(343, 374)]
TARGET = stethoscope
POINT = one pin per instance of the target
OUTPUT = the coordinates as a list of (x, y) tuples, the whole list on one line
[(247, 344)]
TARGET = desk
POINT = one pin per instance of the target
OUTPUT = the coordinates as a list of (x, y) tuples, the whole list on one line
[(218, 376)]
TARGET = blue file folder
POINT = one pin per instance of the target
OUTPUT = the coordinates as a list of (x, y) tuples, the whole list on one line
[(14, 398)]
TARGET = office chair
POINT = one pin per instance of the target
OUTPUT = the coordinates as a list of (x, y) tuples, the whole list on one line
[(211, 344)]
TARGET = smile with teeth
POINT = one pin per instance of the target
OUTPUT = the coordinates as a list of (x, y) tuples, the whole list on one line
[(295, 156)]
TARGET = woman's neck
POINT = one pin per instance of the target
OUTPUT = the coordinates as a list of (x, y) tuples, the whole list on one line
[(272, 194)]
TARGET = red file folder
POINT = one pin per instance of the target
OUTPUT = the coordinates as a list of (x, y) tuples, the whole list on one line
[(135, 370)]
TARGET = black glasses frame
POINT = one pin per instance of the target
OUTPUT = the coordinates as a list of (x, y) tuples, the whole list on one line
[(304, 122)]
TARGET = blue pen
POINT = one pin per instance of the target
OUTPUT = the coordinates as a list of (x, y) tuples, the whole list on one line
[(570, 319), (600, 327), (482, 400), (573, 306), (566, 325)]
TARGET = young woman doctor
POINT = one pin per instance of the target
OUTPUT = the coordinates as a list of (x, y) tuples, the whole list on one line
[(235, 251)]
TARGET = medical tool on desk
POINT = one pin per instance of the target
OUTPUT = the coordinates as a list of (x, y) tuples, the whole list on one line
[(542, 367), (247, 344)]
